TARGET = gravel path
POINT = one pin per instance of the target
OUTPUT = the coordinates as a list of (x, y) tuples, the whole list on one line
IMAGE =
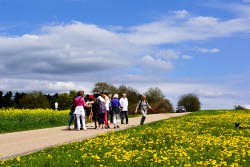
[(21, 143)]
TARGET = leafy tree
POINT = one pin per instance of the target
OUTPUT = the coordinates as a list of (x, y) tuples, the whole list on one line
[(34, 100), (154, 95), (64, 101), (1, 100), (190, 101), (163, 106), (239, 107), (7, 100), (17, 98), (104, 87)]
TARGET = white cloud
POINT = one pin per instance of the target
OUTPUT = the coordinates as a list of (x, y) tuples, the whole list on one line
[(205, 50), (195, 28), (149, 61), (181, 13)]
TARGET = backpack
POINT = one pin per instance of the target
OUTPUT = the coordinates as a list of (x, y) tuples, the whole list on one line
[(102, 106), (141, 102)]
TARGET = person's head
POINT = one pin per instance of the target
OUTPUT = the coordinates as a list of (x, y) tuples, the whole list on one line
[(103, 94), (110, 96), (80, 93), (91, 97), (124, 95), (116, 96), (143, 97)]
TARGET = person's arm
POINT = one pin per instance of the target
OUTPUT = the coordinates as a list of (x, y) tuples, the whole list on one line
[(136, 109)]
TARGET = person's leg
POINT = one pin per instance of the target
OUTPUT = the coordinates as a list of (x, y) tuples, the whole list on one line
[(144, 114), (106, 119), (83, 122), (70, 120), (117, 120), (78, 121), (114, 120), (111, 116), (122, 117), (126, 115)]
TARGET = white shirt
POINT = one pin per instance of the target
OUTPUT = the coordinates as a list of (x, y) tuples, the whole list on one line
[(124, 104), (107, 103)]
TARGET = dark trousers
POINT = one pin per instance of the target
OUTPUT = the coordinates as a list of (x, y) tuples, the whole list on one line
[(95, 118), (124, 114), (71, 120), (101, 118), (111, 116)]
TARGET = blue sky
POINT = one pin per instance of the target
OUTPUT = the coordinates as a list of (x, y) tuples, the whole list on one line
[(180, 46)]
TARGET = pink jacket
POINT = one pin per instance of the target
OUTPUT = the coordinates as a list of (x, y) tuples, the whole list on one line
[(80, 103)]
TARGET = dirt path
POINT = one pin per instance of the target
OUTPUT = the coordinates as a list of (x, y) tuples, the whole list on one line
[(20, 143)]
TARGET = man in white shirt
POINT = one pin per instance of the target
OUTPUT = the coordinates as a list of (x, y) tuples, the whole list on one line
[(124, 105)]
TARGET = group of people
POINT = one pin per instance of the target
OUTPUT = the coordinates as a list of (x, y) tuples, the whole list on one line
[(99, 107)]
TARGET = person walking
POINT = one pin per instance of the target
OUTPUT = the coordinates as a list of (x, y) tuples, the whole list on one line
[(115, 104), (107, 102), (79, 112), (72, 116), (101, 111), (124, 106), (143, 106)]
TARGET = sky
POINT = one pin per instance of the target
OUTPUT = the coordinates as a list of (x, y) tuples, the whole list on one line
[(197, 46)]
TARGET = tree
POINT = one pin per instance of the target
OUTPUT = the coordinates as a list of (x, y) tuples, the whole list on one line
[(104, 87), (7, 100), (64, 101), (190, 101), (154, 95), (17, 98), (34, 100), (163, 106), (239, 107)]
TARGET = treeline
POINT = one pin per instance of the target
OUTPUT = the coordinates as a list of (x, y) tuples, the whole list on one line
[(37, 99)]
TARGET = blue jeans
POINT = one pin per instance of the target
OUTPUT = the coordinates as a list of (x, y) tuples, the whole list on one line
[(71, 120)]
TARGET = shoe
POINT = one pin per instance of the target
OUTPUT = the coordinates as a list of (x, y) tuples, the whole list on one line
[(122, 123), (118, 126), (126, 122), (108, 126), (85, 129), (91, 125), (86, 125), (114, 127), (81, 128), (68, 128)]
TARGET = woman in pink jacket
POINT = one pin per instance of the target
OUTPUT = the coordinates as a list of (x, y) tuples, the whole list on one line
[(79, 104)]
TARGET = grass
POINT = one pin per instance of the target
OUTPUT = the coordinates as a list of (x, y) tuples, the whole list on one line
[(206, 138), (13, 120)]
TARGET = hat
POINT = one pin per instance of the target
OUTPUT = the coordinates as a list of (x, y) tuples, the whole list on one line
[(91, 96)]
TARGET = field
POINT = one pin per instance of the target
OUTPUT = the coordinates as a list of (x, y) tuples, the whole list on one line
[(12, 120), (205, 138)]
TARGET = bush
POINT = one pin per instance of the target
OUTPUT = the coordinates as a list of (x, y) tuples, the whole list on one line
[(163, 106), (190, 101), (238, 107)]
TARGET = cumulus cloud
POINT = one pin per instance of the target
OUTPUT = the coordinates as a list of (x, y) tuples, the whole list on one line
[(195, 28)]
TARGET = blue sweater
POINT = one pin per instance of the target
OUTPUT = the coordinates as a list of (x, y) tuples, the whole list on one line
[(115, 102)]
